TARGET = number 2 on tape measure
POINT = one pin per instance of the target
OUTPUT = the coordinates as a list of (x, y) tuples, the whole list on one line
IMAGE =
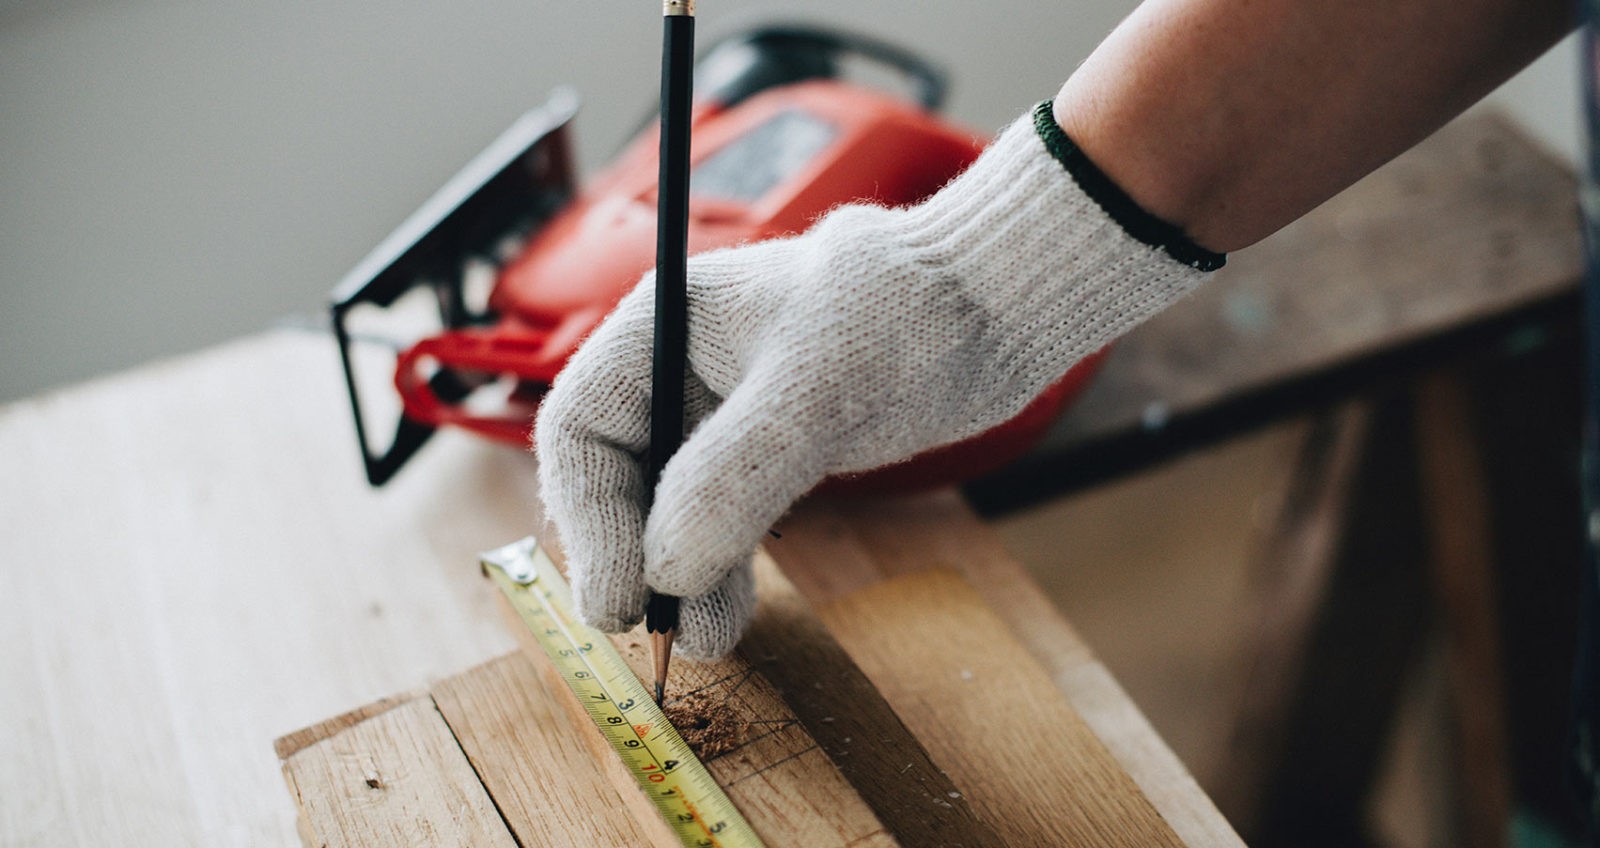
[(666, 769)]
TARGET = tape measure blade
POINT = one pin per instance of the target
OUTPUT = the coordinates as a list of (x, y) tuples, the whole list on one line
[(662, 764)]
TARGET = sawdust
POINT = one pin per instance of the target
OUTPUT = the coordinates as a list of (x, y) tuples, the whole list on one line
[(707, 726)]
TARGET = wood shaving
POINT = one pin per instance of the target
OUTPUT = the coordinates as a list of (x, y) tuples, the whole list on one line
[(706, 726)]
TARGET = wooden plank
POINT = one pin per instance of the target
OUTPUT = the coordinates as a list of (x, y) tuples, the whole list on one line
[(790, 675), (836, 703), (833, 553), (1008, 738), (1459, 241), (504, 730), (781, 780), (397, 779), (833, 549), (542, 776)]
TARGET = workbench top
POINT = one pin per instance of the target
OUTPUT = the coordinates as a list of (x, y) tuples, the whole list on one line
[(194, 566)]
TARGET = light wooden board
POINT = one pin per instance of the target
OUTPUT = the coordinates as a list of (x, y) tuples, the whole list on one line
[(831, 550), (513, 730), (837, 553), (504, 714), (841, 552), (784, 783), (397, 778), (947, 711), (850, 719), (1032, 767), (826, 761), (468, 740)]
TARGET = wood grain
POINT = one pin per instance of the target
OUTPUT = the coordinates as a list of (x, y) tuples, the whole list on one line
[(511, 724), (396, 779), (847, 716), (831, 549), (782, 781), (957, 775), (956, 676)]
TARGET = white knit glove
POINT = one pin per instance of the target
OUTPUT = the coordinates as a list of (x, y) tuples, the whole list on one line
[(876, 335)]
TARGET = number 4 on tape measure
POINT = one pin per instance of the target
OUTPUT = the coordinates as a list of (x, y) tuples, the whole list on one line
[(677, 783)]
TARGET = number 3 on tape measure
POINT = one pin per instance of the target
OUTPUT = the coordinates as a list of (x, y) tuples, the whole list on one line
[(667, 771)]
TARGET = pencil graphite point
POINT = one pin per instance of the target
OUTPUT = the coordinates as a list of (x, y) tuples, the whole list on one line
[(661, 649)]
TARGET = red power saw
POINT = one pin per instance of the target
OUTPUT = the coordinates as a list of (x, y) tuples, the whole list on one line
[(479, 298)]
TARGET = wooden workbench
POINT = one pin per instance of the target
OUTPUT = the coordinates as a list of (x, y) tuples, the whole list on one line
[(194, 566)]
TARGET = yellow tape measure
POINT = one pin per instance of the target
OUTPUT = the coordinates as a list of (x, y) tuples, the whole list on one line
[(668, 772)]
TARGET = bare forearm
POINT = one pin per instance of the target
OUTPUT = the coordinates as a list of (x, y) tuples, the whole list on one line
[(1231, 118)]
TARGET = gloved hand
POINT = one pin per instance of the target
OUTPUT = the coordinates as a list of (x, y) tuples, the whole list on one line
[(876, 335)]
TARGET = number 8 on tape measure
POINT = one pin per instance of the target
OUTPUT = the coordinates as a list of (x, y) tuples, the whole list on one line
[(666, 769)]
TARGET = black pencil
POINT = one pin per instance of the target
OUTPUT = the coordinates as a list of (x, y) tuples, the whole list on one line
[(672, 304)]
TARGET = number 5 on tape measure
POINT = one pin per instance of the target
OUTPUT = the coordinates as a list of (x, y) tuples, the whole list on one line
[(668, 772)]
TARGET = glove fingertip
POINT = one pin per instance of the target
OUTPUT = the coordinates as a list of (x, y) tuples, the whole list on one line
[(610, 611), (710, 625), (606, 623)]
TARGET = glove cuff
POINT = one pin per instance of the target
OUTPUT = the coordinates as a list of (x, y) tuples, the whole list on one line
[(1110, 197)]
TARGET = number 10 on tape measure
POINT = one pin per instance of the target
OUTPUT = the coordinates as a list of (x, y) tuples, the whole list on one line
[(618, 703)]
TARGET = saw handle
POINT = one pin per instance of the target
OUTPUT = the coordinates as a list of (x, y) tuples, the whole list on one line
[(436, 375)]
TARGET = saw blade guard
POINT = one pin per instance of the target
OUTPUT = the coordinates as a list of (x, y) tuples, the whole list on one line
[(429, 282)]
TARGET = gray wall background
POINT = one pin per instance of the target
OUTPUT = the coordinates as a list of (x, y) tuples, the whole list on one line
[(176, 173)]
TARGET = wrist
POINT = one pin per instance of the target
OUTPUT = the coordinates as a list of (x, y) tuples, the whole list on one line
[(1134, 217), (1035, 192)]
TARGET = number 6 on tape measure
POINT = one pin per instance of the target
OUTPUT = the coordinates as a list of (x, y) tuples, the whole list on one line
[(677, 783)]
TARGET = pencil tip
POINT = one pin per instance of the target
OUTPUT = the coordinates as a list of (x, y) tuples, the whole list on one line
[(661, 688)]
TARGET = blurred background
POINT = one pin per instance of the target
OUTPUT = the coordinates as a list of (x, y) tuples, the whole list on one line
[(180, 173)]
